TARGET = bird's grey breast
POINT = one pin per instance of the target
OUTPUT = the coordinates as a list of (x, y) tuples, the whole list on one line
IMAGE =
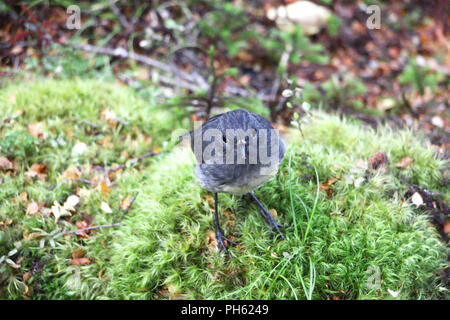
[(237, 150)]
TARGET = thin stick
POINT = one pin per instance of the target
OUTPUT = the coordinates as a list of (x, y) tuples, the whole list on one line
[(86, 181), (132, 161), (124, 54), (123, 21), (92, 228), (125, 211)]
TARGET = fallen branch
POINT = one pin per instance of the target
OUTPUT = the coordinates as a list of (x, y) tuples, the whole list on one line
[(124, 54)]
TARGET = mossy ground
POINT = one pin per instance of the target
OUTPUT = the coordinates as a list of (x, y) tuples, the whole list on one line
[(338, 238)]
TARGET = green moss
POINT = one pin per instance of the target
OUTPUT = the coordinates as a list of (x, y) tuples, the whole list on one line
[(69, 112), (336, 241), (352, 233)]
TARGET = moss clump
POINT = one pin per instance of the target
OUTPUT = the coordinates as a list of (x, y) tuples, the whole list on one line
[(359, 235), (341, 242), (42, 122)]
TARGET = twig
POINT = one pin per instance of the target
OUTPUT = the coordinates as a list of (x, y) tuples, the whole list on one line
[(125, 211), (124, 54), (86, 181), (132, 161), (162, 79), (282, 65), (123, 21), (92, 228)]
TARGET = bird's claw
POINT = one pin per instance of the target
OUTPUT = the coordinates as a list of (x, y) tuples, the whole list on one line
[(221, 244)]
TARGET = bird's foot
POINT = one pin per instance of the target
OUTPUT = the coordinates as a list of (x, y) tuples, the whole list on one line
[(221, 243), (272, 223), (263, 211)]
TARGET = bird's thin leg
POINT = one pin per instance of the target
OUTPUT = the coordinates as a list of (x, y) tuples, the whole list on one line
[(219, 233), (270, 224), (267, 215)]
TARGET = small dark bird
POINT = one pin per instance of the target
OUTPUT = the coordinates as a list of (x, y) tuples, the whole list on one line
[(236, 152)]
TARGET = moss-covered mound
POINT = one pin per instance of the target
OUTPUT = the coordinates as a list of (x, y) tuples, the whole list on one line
[(350, 232), (354, 238), (56, 139)]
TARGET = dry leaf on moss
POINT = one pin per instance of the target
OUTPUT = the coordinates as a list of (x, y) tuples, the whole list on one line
[(405, 162), (32, 208), (104, 188), (37, 130), (38, 170), (125, 203), (80, 262), (72, 172), (5, 164)]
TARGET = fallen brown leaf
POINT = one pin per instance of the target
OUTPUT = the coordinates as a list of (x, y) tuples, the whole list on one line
[(5, 164), (157, 149), (81, 225), (211, 239), (228, 213), (36, 130), (378, 160), (210, 200), (38, 170), (32, 208), (274, 213), (104, 188), (447, 227), (72, 172), (171, 291), (125, 203), (23, 196), (27, 276), (326, 186), (80, 261), (106, 142), (110, 117), (405, 162), (77, 253), (33, 235)]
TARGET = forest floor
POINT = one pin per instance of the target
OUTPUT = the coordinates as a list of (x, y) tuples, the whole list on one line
[(98, 201), (88, 211)]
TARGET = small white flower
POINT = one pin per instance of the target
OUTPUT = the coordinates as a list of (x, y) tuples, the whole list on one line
[(287, 93)]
